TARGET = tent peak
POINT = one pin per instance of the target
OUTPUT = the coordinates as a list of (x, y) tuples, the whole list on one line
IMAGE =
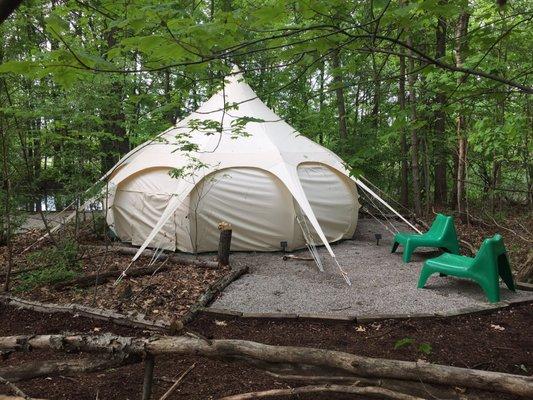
[(235, 76)]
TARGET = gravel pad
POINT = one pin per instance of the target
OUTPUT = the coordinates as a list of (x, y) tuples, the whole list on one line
[(381, 282)]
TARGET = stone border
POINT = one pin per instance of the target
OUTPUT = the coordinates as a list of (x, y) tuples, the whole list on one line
[(364, 318)]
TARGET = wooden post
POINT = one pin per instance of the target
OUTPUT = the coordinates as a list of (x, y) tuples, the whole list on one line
[(224, 244), (149, 362)]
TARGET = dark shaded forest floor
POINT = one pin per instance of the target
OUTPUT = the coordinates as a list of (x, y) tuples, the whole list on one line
[(517, 231), (165, 295), (498, 341)]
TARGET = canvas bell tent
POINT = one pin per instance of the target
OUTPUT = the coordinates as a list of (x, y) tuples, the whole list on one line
[(236, 161), (232, 160)]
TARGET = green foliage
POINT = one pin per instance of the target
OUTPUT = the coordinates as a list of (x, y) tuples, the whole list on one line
[(99, 226), (424, 347), (56, 264), (87, 83), (17, 217), (403, 343)]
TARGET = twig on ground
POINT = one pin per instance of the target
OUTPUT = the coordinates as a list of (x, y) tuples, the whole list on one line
[(177, 383), (509, 230), (370, 391), (14, 389)]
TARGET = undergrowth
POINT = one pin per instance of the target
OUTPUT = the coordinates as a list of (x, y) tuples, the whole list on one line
[(56, 264)]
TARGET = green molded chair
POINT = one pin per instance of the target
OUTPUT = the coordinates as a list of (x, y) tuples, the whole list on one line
[(441, 234), (490, 262)]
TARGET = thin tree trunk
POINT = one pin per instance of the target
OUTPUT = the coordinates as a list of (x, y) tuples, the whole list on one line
[(5, 235), (7, 206), (427, 183), (462, 142), (321, 99), (376, 98), (411, 80), (118, 145), (441, 187), (170, 113), (527, 154), (404, 173), (339, 92), (496, 198)]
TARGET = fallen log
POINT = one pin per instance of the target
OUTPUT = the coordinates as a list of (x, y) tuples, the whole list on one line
[(15, 389), (6, 397), (39, 369), (176, 258), (332, 362), (133, 320), (370, 391), (212, 291), (420, 389), (102, 277)]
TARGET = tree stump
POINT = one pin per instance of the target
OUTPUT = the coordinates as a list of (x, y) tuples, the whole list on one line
[(224, 243)]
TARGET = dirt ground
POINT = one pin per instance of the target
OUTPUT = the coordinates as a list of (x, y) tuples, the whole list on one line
[(498, 341), (165, 295)]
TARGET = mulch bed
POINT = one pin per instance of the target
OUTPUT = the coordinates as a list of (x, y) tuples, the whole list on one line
[(499, 341), (165, 296)]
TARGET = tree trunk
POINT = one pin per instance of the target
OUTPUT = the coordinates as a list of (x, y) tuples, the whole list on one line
[(6, 223), (462, 143), (404, 173), (117, 145), (258, 354), (411, 80), (7, 7), (339, 92), (441, 187), (170, 114), (527, 155), (376, 98), (321, 99)]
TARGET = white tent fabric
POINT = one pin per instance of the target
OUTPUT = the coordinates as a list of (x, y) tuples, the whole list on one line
[(258, 181)]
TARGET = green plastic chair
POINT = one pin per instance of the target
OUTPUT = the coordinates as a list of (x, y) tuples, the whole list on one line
[(490, 262), (441, 234)]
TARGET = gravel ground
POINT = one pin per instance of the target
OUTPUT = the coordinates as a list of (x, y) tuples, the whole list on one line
[(381, 282)]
